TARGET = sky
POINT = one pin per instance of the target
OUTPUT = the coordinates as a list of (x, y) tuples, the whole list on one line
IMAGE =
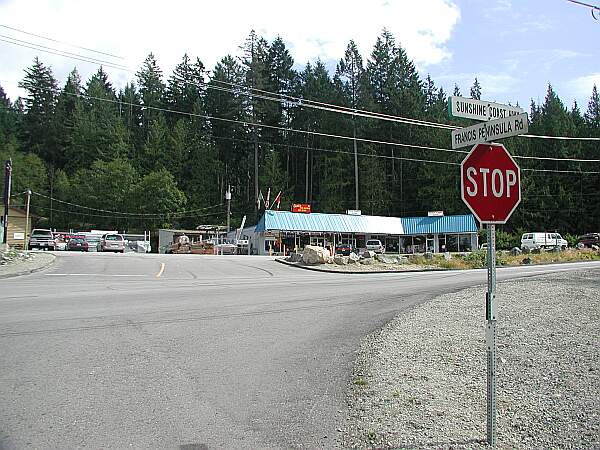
[(514, 48)]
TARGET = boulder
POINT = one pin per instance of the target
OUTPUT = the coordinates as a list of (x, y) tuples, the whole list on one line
[(367, 261), (580, 246), (387, 259), (556, 249), (353, 258), (595, 247), (536, 251), (428, 255), (315, 255), (341, 260), (526, 251), (402, 260), (295, 257), (515, 251), (447, 256), (368, 254), (526, 260)]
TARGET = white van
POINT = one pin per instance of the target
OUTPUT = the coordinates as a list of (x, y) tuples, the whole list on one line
[(545, 240)]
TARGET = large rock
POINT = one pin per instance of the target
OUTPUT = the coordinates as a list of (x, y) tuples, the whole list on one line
[(428, 255), (367, 261), (341, 260), (516, 251), (368, 254), (315, 255), (353, 258), (295, 257), (387, 259)]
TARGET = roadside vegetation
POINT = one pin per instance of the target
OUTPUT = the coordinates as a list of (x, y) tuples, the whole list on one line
[(478, 259)]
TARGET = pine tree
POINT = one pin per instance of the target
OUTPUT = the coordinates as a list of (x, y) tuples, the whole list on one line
[(40, 104), (592, 115), (98, 131), (476, 90), (151, 89), (456, 92), (64, 118)]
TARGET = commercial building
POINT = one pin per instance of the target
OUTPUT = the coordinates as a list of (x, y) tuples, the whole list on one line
[(279, 232), (19, 228)]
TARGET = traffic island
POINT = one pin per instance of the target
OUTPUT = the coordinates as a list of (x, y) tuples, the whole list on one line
[(14, 263), (440, 261)]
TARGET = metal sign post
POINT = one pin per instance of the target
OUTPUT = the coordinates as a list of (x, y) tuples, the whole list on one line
[(490, 334), (491, 188)]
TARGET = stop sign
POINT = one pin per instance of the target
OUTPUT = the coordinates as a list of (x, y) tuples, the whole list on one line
[(490, 183)]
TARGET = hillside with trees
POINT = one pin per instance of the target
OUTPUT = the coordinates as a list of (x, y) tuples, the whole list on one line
[(162, 150)]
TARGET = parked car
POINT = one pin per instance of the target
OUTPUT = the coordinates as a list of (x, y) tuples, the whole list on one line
[(589, 239), (530, 241), (112, 243), (375, 245), (42, 240), (78, 244), (344, 249)]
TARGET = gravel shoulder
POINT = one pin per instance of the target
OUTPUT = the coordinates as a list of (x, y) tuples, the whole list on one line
[(15, 263), (420, 381)]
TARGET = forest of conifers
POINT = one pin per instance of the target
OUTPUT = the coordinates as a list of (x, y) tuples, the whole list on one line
[(162, 150)]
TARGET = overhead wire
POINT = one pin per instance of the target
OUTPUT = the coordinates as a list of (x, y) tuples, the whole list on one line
[(147, 215), (299, 101), (60, 42)]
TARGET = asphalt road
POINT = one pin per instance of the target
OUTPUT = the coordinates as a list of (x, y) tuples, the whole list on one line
[(191, 352)]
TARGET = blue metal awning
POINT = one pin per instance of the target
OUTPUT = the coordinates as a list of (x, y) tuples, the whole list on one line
[(343, 223)]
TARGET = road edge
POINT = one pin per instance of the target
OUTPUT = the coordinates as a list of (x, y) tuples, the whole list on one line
[(30, 271), (354, 272)]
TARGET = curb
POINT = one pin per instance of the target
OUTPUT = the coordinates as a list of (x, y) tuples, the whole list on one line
[(315, 269), (29, 271)]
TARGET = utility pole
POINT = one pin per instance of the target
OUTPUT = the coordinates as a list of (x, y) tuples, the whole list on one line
[(355, 161), (7, 184), (26, 247), (228, 198)]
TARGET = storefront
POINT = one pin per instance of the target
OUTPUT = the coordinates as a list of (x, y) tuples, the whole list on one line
[(280, 232)]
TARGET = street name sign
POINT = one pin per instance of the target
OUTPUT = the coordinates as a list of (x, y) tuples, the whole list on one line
[(470, 108), (490, 183), (490, 131)]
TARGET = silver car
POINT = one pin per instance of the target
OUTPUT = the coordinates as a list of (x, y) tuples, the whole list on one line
[(112, 243)]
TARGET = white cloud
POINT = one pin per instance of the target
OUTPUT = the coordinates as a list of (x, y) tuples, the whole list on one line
[(494, 86), (581, 87), (311, 29)]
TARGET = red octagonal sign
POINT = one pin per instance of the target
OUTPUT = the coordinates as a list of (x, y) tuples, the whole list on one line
[(490, 183)]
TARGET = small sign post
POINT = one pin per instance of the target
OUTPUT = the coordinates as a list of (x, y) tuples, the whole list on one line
[(491, 188)]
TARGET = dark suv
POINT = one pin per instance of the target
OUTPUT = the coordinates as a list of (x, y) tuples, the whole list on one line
[(589, 239)]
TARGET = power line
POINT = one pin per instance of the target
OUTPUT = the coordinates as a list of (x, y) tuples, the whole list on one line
[(173, 215), (146, 215), (302, 102), (60, 42), (95, 60), (316, 133), (349, 138), (61, 53)]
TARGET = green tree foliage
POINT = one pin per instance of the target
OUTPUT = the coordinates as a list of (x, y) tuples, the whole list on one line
[(157, 154), (39, 134)]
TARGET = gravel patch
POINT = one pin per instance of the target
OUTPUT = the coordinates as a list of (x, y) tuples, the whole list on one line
[(420, 381), (14, 262)]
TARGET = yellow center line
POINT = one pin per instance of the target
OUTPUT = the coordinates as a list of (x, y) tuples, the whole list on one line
[(162, 269)]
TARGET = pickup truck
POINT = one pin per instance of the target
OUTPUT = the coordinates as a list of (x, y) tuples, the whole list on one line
[(42, 240)]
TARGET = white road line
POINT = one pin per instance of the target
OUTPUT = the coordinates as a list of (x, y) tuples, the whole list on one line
[(89, 275)]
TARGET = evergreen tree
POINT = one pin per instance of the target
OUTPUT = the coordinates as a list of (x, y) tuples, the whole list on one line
[(98, 131), (64, 118), (456, 92), (476, 90), (40, 104), (186, 85), (592, 115), (151, 89)]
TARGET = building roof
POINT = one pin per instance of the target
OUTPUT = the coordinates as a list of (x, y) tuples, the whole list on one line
[(343, 223)]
